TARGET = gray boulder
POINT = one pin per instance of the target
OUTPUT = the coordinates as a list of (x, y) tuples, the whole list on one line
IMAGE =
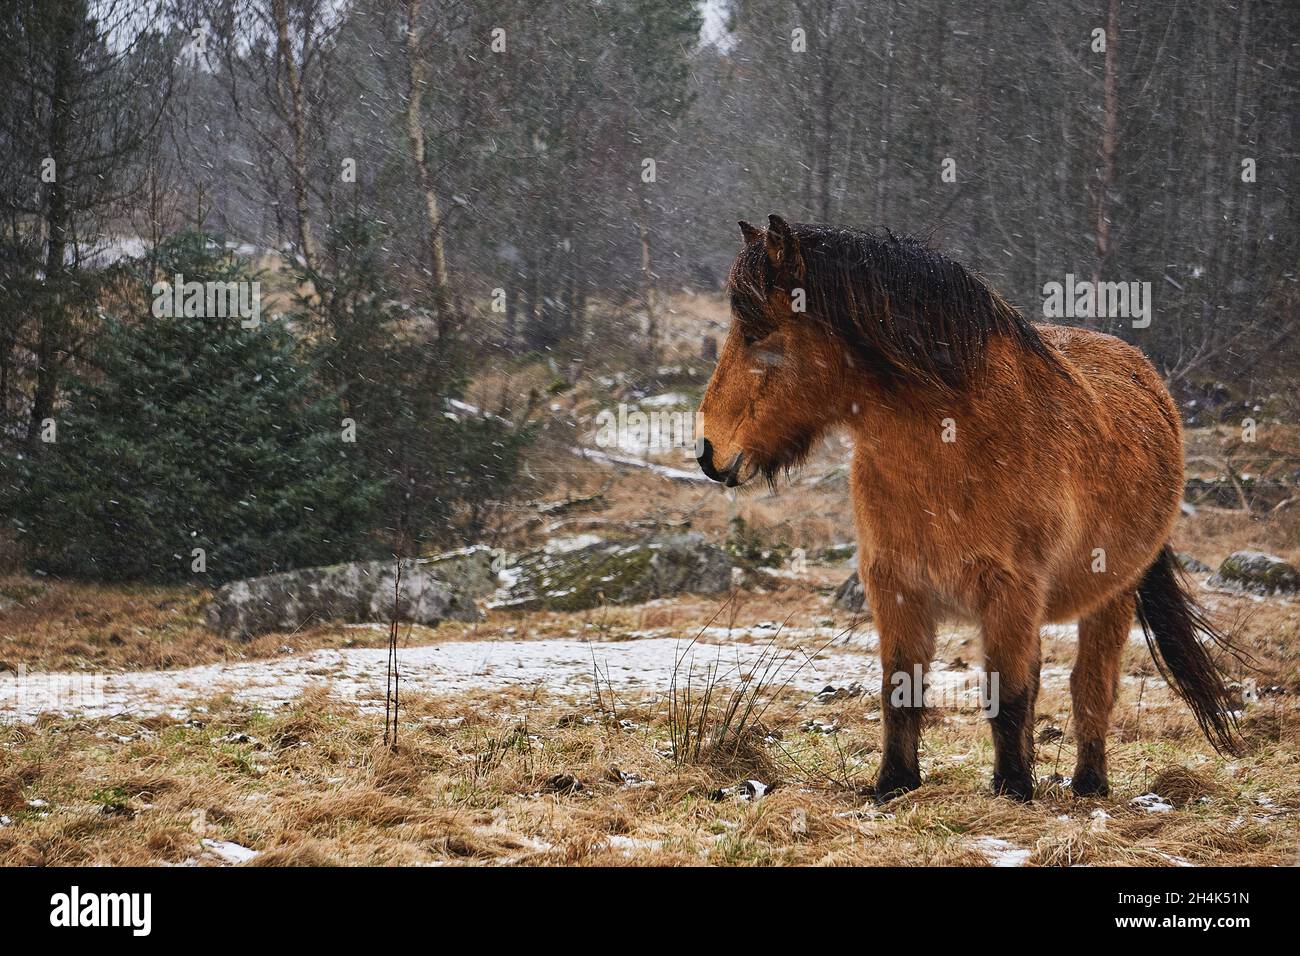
[(1256, 572), (432, 590), (472, 570), (1190, 564), (588, 572), (851, 596)]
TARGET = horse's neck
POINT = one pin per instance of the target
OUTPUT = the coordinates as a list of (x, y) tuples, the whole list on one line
[(875, 414)]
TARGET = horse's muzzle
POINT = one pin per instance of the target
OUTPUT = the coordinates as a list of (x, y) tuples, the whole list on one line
[(730, 475)]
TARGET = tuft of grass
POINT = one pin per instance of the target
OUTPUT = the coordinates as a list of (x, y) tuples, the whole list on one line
[(715, 717), (1181, 785)]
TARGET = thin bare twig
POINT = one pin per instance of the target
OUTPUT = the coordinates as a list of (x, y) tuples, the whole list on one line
[(392, 687)]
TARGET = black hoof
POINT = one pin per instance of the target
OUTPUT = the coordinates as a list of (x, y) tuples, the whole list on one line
[(1017, 788), (1090, 783), (895, 783)]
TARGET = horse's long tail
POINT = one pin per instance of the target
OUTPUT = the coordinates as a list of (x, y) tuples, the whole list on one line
[(1174, 624)]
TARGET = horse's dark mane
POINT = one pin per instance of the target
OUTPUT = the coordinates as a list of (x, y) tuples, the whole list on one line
[(907, 311)]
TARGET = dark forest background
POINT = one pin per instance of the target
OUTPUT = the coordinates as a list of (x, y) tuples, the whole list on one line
[(441, 183)]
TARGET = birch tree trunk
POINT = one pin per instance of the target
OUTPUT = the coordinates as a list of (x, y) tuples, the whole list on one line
[(647, 273), (442, 297), (298, 125)]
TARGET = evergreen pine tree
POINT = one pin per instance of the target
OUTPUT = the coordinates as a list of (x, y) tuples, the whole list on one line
[(193, 432)]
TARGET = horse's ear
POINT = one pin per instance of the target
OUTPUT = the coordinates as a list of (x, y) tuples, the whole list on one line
[(751, 233), (783, 250)]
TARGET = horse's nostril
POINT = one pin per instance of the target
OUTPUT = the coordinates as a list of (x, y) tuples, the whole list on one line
[(731, 475)]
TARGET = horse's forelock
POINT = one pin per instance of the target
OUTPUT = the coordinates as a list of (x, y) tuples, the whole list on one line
[(746, 286)]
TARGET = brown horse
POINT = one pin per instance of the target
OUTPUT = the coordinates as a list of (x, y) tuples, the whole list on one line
[(1003, 472)]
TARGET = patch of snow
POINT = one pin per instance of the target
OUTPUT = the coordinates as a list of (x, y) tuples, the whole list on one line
[(1001, 852), (630, 846), (443, 723), (461, 409), (1070, 632), (663, 471), (531, 848), (111, 249), (788, 571), (562, 665), (1151, 803), (744, 792), (507, 581), (666, 400), (810, 637), (231, 854), (577, 543)]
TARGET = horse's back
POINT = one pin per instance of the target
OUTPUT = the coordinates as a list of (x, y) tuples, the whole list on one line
[(1129, 441), (1112, 365)]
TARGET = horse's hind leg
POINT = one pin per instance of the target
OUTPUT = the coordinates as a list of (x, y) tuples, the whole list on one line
[(1093, 685), (905, 620)]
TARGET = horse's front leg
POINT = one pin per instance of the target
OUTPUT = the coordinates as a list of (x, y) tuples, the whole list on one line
[(904, 618), (1011, 613)]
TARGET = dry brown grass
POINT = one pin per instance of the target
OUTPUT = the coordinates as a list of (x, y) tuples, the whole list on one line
[(490, 778), (1181, 785), (485, 778), (49, 625), (1216, 532), (475, 782)]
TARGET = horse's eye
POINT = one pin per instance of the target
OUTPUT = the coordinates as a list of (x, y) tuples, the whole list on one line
[(751, 338)]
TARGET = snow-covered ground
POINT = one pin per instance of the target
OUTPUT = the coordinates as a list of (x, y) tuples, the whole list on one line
[(1001, 852), (563, 666), (807, 659)]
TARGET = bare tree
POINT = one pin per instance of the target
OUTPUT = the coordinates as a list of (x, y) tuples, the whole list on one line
[(443, 296), (1109, 140), (84, 92)]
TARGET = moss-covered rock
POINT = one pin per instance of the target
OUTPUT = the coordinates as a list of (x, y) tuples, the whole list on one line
[(837, 553), (587, 572), (472, 569), (1257, 572), (755, 547)]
